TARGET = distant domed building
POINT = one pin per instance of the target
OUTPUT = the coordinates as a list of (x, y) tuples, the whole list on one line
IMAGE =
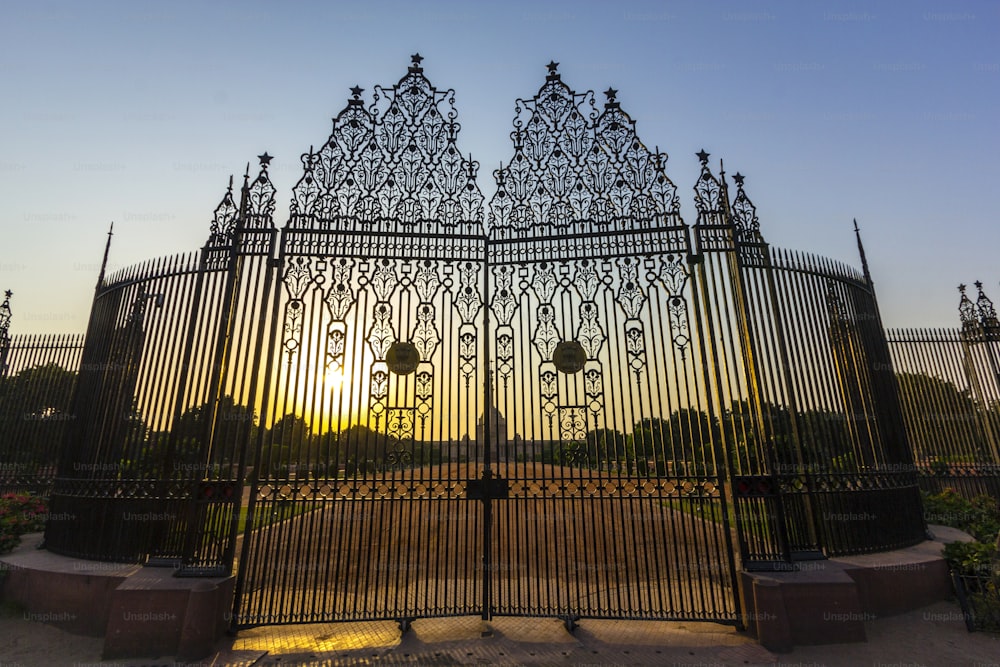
[(502, 448)]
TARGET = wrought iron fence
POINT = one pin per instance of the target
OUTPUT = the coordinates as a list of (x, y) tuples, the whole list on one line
[(37, 375), (950, 389), (316, 386)]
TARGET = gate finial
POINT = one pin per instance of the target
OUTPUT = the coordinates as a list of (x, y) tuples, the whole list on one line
[(5, 313), (612, 96), (861, 252), (553, 74), (984, 308), (707, 191), (966, 310), (104, 262), (4, 328)]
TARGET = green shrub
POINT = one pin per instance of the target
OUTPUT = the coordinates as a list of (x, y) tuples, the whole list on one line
[(972, 558), (978, 517), (20, 513)]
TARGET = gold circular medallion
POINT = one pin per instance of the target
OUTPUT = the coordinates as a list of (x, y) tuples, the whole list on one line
[(402, 358), (569, 357)]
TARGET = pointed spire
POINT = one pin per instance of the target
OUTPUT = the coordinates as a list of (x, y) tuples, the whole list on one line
[(861, 252), (984, 308), (224, 217), (260, 195), (5, 331), (707, 191), (107, 249), (967, 310), (5, 314), (744, 213), (725, 188)]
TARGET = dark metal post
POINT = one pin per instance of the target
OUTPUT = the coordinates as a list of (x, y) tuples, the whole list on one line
[(487, 443)]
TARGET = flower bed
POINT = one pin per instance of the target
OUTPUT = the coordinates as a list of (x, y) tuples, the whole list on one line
[(20, 513)]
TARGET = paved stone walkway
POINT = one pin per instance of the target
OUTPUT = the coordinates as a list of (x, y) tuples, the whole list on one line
[(502, 641), (932, 636)]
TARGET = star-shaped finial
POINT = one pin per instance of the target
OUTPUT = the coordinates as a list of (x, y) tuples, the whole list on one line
[(979, 285), (265, 159), (8, 294), (610, 93), (553, 66), (961, 288), (416, 59), (356, 91), (703, 156), (738, 178)]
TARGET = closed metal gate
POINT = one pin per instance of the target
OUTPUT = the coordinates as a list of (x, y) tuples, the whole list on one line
[(458, 423)]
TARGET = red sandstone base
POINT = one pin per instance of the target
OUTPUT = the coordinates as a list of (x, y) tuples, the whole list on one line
[(147, 612), (140, 611), (828, 601)]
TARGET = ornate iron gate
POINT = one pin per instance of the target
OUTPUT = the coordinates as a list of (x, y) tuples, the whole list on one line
[(459, 424)]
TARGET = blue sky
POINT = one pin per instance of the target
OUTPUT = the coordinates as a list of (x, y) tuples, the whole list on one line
[(138, 112)]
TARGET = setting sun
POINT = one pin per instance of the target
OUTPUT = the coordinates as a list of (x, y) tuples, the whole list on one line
[(334, 378)]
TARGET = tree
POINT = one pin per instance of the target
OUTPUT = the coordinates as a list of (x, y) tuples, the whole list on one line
[(943, 422), (364, 449), (34, 413), (284, 443), (606, 445), (235, 426), (680, 444)]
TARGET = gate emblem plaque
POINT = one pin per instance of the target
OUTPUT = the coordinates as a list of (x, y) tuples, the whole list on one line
[(402, 358), (569, 357)]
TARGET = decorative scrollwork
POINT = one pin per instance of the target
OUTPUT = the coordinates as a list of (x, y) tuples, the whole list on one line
[(985, 309), (425, 335), (469, 299), (677, 307), (573, 423), (745, 214), (379, 384), (399, 423), (425, 385), (631, 296), (546, 337), (586, 279), (426, 281), (394, 166), (590, 334), (260, 198), (967, 310), (384, 279), (707, 191), (549, 384), (336, 343), (504, 303), (5, 314), (298, 275), (224, 219), (381, 334), (340, 297), (673, 275), (293, 326), (635, 347), (575, 170), (544, 282)]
